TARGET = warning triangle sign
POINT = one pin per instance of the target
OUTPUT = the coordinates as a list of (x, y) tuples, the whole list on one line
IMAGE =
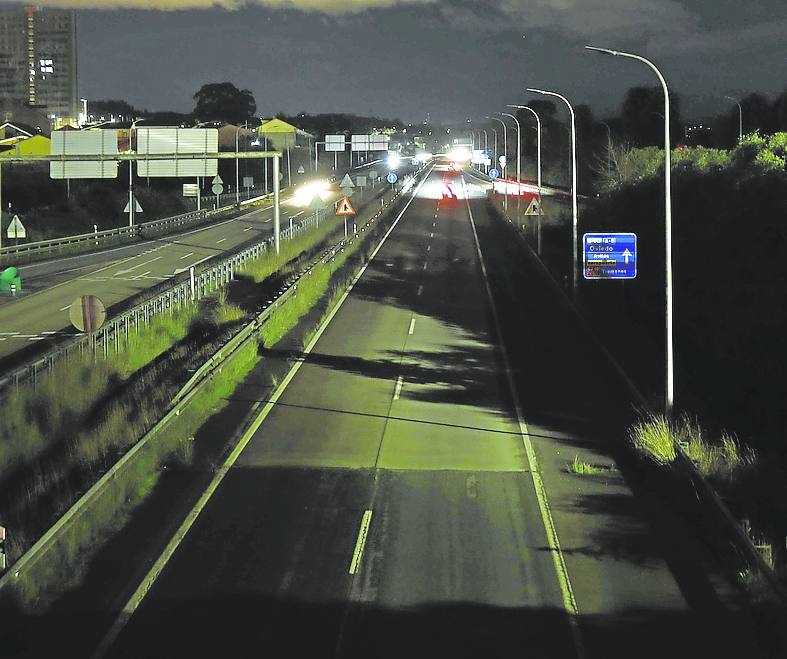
[(534, 208), (137, 207), (345, 208), (347, 182)]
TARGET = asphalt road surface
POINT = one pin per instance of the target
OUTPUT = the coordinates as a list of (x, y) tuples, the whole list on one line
[(114, 275), (386, 506)]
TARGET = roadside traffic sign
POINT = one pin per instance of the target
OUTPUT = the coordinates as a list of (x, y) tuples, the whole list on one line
[(609, 255), (347, 182), (137, 207), (502, 160), (345, 208), (16, 229), (248, 181), (392, 178), (493, 173), (534, 208), (373, 175), (301, 170), (360, 181)]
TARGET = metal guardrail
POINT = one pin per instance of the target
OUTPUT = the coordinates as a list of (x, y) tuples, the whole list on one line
[(98, 239), (206, 281), (181, 399)]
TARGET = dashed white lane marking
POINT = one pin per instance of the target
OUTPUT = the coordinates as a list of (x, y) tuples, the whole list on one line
[(398, 388), (64, 308), (247, 229), (270, 219), (420, 290), (433, 223), (360, 543), (412, 326), (428, 248), (220, 241), (431, 235), (185, 256), (13, 333), (425, 264), (299, 214), (36, 338), (134, 267)]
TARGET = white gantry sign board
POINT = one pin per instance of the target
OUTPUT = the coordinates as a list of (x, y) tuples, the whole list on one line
[(84, 143), (334, 143), (177, 140), (370, 142)]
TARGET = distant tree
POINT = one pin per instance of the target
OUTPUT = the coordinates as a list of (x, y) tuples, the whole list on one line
[(643, 116), (545, 109), (223, 101), (758, 114)]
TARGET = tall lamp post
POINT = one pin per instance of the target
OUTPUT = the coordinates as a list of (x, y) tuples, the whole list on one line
[(505, 151), (518, 146), (486, 144), (669, 394), (538, 169), (740, 117), (573, 179)]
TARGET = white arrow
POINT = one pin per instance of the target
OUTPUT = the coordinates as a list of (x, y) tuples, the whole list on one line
[(125, 272), (179, 270), (626, 255)]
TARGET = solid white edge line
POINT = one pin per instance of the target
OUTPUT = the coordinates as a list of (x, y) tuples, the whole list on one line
[(360, 542), (412, 326), (157, 568), (567, 592)]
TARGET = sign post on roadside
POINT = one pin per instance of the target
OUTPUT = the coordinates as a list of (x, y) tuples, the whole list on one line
[(609, 255), (345, 209), (217, 188), (16, 230)]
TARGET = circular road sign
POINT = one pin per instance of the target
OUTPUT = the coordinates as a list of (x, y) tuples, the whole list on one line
[(493, 173), (392, 178), (87, 313), (217, 188)]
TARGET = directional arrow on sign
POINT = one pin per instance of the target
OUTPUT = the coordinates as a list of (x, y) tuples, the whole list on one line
[(626, 255)]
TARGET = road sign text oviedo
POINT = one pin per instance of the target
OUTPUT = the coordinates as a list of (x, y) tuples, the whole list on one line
[(609, 255)]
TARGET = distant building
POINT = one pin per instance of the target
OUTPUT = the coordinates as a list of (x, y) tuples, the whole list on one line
[(38, 62)]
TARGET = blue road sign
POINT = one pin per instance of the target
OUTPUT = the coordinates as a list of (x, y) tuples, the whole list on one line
[(610, 255), (392, 178), (493, 173)]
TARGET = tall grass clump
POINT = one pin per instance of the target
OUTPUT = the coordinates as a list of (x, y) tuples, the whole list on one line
[(269, 262), (721, 460)]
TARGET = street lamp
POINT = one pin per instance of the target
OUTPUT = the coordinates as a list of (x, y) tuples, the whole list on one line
[(505, 151), (573, 179), (486, 144), (131, 203), (518, 146), (538, 168), (740, 117), (494, 130), (237, 179), (669, 395)]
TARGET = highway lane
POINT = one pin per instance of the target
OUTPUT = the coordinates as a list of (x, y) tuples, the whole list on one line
[(115, 275), (401, 416), (386, 505), (41, 312)]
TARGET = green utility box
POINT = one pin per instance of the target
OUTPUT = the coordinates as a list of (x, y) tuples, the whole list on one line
[(10, 278)]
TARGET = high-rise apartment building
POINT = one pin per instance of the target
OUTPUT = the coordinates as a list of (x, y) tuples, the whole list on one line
[(38, 60)]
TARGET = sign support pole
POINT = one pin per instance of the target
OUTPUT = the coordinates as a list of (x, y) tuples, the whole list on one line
[(276, 207), (130, 193), (1, 206)]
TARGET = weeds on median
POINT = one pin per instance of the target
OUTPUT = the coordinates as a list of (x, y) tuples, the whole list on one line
[(723, 460), (583, 468)]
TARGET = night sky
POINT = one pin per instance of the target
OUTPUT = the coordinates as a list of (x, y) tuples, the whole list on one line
[(451, 58)]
